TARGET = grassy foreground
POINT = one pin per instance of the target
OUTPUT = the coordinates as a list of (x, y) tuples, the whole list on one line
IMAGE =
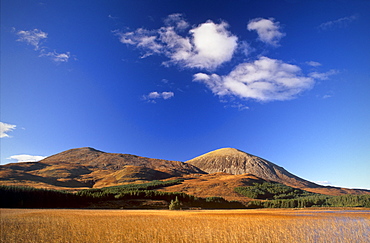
[(262, 225)]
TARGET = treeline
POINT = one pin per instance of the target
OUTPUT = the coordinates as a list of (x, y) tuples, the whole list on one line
[(315, 201), (110, 197), (274, 196), (146, 191), (271, 190), (29, 197), (114, 190)]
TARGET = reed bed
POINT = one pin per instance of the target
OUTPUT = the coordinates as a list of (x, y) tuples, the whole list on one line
[(62, 225)]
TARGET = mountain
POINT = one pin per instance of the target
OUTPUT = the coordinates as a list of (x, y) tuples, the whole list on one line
[(87, 167), (216, 173), (237, 162)]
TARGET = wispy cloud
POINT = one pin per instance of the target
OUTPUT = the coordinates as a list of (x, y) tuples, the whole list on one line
[(36, 38), (206, 46), (338, 23), (176, 20), (112, 17), (5, 128), (323, 76), (313, 64), (57, 57), (32, 37), (268, 30), (26, 158), (152, 96), (327, 96), (264, 79)]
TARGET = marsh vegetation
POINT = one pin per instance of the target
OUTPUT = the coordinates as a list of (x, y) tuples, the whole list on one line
[(261, 225)]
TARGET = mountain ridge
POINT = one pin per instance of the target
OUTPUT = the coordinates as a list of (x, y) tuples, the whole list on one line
[(225, 168)]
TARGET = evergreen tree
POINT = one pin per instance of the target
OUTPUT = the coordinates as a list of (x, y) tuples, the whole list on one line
[(175, 205)]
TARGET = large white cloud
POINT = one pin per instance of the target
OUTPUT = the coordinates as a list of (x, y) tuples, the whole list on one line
[(209, 45), (5, 128), (26, 158), (264, 79), (268, 31), (206, 46)]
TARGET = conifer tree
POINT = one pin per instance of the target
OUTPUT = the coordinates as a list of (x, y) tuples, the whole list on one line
[(175, 205)]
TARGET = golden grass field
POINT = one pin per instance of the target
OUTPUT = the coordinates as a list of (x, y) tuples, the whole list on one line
[(262, 225)]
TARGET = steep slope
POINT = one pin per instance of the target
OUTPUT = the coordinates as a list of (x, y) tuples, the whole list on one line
[(233, 161)]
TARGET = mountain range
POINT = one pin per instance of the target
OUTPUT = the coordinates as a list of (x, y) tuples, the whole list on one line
[(216, 173)]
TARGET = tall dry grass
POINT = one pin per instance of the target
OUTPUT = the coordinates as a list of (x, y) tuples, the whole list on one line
[(31, 225)]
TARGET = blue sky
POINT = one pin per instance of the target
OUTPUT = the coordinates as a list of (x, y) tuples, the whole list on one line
[(288, 81)]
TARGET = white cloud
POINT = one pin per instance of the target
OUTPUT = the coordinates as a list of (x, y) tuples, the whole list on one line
[(213, 45), (263, 80), (209, 45), (35, 37), (324, 183), (167, 95), (32, 37), (206, 46), (26, 158), (323, 76), (245, 48), (177, 21), (142, 38), (155, 95), (57, 57), (268, 31), (5, 128), (313, 64), (239, 106), (339, 23)]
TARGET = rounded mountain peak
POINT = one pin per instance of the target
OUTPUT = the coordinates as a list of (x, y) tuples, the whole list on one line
[(234, 161), (225, 152)]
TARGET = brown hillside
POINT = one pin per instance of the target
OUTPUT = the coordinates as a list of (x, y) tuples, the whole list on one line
[(228, 168), (96, 159), (234, 161), (215, 185), (86, 167)]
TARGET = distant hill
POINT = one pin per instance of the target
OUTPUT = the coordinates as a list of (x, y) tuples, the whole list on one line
[(216, 173)]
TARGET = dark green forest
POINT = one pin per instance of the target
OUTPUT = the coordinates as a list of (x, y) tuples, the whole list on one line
[(271, 190), (266, 195), (28, 197), (315, 201), (276, 195)]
